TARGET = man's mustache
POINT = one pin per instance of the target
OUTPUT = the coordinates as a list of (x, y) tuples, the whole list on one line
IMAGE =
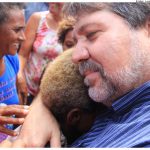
[(90, 65)]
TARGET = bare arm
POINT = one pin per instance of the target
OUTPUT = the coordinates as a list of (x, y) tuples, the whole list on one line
[(15, 144), (24, 53), (42, 123)]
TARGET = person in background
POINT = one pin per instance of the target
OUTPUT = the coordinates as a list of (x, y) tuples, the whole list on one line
[(32, 7), (40, 47), (12, 26), (67, 98), (65, 33)]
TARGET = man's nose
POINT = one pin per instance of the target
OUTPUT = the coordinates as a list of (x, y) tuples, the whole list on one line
[(79, 53)]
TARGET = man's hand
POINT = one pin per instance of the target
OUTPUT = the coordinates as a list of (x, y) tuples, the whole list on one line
[(5, 117), (22, 88), (42, 123)]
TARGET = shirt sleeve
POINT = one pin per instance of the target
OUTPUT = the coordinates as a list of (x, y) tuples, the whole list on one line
[(14, 60)]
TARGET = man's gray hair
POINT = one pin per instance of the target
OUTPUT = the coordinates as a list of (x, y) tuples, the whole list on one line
[(5, 10), (136, 14)]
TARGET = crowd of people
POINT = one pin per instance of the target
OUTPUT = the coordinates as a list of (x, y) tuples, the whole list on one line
[(78, 73)]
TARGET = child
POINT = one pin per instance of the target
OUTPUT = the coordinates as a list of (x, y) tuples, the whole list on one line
[(65, 95)]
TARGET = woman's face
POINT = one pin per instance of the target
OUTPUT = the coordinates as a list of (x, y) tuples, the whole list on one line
[(69, 40), (55, 8), (12, 33)]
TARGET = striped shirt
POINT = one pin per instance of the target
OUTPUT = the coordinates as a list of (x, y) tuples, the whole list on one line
[(127, 124)]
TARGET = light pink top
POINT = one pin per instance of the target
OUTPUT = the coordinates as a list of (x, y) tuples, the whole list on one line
[(45, 49)]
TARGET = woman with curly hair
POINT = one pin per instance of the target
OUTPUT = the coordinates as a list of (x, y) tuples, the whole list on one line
[(65, 36)]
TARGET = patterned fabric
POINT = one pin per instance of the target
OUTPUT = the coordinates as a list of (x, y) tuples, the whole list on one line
[(45, 49), (127, 124), (8, 91)]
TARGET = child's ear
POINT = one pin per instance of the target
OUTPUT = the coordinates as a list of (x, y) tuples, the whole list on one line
[(73, 117)]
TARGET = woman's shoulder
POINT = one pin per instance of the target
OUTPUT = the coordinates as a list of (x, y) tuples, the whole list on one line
[(13, 61), (36, 17), (39, 14)]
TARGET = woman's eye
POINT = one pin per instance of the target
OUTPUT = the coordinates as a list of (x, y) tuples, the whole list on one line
[(70, 44), (18, 29)]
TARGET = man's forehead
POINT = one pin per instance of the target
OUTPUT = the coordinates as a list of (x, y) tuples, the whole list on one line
[(87, 18), (86, 21), (95, 19)]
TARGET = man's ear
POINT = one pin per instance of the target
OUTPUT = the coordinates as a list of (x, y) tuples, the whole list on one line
[(73, 117)]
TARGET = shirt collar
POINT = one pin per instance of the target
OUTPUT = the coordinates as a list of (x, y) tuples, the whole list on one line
[(127, 100)]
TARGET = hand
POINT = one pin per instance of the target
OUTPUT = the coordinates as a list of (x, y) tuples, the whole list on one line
[(5, 117), (15, 144), (42, 123), (22, 88)]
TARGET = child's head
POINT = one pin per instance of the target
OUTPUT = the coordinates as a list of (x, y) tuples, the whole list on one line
[(65, 33), (64, 93)]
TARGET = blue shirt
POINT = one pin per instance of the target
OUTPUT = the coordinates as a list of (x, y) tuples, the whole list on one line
[(8, 91), (127, 124)]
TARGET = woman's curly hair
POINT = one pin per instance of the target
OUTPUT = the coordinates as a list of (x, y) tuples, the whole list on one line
[(65, 26)]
